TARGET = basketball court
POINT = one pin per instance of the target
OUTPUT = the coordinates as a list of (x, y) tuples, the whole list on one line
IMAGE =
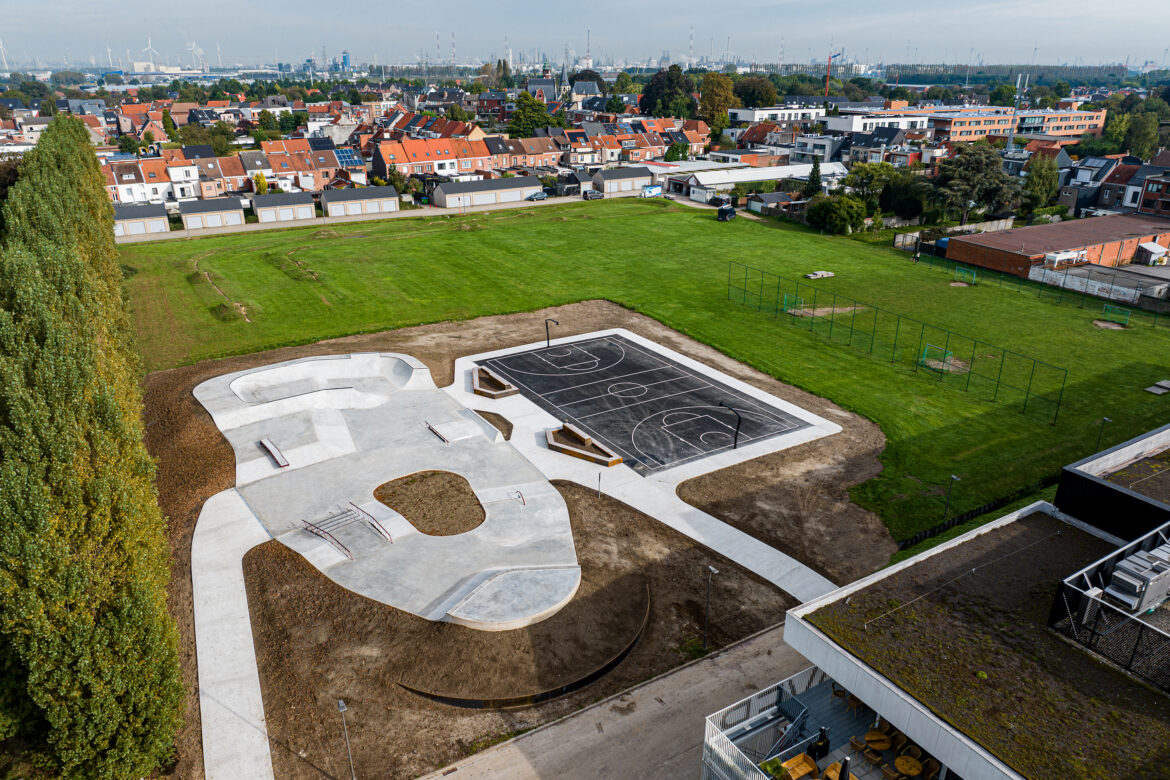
[(651, 410)]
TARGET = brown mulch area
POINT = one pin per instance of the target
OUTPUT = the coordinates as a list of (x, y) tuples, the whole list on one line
[(317, 642), (965, 631), (437, 503), (195, 462), (498, 421)]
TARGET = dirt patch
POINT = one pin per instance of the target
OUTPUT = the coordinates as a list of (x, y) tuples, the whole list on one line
[(195, 462), (952, 366), (317, 642), (499, 422), (824, 311), (1107, 325), (960, 284), (437, 503)]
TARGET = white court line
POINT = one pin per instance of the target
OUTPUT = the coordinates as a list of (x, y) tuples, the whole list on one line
[(639, 403), (614, 395), (599, 381)]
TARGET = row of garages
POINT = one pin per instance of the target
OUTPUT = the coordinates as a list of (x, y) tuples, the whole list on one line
[(215, 213), (492, 192)]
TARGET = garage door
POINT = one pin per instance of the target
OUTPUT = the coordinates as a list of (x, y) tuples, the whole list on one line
[(214, 220), (483, 199), (284, 214), (353, 208), (304, 212), (136, 228), (233, 218), (389, 205), (511, 196), (268, 215), (627, 185), (194, 223), (372, 207), (158, 226), (118, 229), (337, 209)]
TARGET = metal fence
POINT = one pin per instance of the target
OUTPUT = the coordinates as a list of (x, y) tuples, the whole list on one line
[(1061, 294), (1132, 644), (980, 369), (733, 746)]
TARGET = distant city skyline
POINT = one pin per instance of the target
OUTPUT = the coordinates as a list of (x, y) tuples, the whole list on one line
[(996, 31)]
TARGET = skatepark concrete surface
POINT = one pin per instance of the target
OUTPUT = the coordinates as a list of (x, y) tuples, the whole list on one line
[(346, 424)]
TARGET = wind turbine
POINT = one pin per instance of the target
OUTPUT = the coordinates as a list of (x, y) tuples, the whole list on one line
[(150, 50), (110, 56), (218, 56), (196, 55), (3, 56)]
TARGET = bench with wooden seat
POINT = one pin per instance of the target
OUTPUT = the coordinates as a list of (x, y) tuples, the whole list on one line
[(799, 766)]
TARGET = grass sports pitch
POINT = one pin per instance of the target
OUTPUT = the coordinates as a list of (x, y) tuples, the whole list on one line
[(652, 411), (305, 284)]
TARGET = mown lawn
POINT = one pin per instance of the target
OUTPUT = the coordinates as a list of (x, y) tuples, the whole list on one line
[(670, 262)]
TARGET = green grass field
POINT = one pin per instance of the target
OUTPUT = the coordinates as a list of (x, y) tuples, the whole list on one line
[(670, 262)]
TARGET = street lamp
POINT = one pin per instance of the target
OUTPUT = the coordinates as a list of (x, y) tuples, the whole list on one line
[(738, 422), (547, 337), (342, 708), (707, 614), (1101, 432), (951, 484)]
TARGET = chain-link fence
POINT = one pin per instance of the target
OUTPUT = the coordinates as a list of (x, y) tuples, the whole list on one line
[(973, 366), (1062, 290)]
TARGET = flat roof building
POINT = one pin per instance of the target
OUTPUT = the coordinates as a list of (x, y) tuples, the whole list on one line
[(359, 201), (489, 192), (211, 213), (140, 220), (1108, 241)]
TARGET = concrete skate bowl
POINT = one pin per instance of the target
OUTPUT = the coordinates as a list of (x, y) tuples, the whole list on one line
[(360, 374), (437, 503), (548, 694)]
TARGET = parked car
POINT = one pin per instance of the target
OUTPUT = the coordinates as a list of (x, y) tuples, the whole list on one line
[(538, 196), (667, 196), (593, 195), (719, 200), (726, 213)]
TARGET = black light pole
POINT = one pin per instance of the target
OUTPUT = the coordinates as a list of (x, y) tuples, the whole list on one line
[(342, 708), (707, 614), (738, 422), (1101, 432), (547, 337), (947, 508)]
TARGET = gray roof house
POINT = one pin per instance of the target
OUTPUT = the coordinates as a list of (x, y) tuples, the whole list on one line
[(456, 194), (359, 201), (211, 213), (284, 207), (622, 179)]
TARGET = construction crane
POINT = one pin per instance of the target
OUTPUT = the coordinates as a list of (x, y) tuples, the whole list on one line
[(829, 70)]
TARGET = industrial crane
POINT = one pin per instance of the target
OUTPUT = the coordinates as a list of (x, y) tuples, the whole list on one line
[(829, 70)]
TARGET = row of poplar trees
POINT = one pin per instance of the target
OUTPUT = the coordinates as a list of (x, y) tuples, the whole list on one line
[(89, 676)]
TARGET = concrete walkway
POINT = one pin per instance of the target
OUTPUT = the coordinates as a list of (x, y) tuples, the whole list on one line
[(231, 709), (654, 730)]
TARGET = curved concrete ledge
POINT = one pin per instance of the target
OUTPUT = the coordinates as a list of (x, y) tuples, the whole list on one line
[(516, 598)]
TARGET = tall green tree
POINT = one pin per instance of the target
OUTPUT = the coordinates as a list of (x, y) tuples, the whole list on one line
[(867, 181), (715, 98), (1002, 95), (89, 653), (677, 151), (266, 120), (812, 185), (1141, 138), (974, 179), (669, 93), (168, 123), (756, 91), (623, 84), (530, 114), (1042, 183)]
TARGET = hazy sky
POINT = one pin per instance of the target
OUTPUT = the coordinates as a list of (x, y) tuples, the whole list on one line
[(254, 31)]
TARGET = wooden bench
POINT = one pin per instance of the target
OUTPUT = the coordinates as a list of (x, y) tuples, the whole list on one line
[(281, 461)]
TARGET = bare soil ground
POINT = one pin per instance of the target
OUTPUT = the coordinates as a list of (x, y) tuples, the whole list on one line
[(795, 500), (501, 423), (1107, 325), (317, 642), (824, 311), (437, 503)]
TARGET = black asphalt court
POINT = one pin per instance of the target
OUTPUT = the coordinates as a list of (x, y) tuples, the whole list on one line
[(654, 412)]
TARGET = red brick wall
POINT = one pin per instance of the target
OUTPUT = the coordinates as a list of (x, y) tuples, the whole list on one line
[(987, 257)]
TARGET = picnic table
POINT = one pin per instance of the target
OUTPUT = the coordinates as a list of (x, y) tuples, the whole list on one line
[(878, 740), (834, 773), (908, 765)]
